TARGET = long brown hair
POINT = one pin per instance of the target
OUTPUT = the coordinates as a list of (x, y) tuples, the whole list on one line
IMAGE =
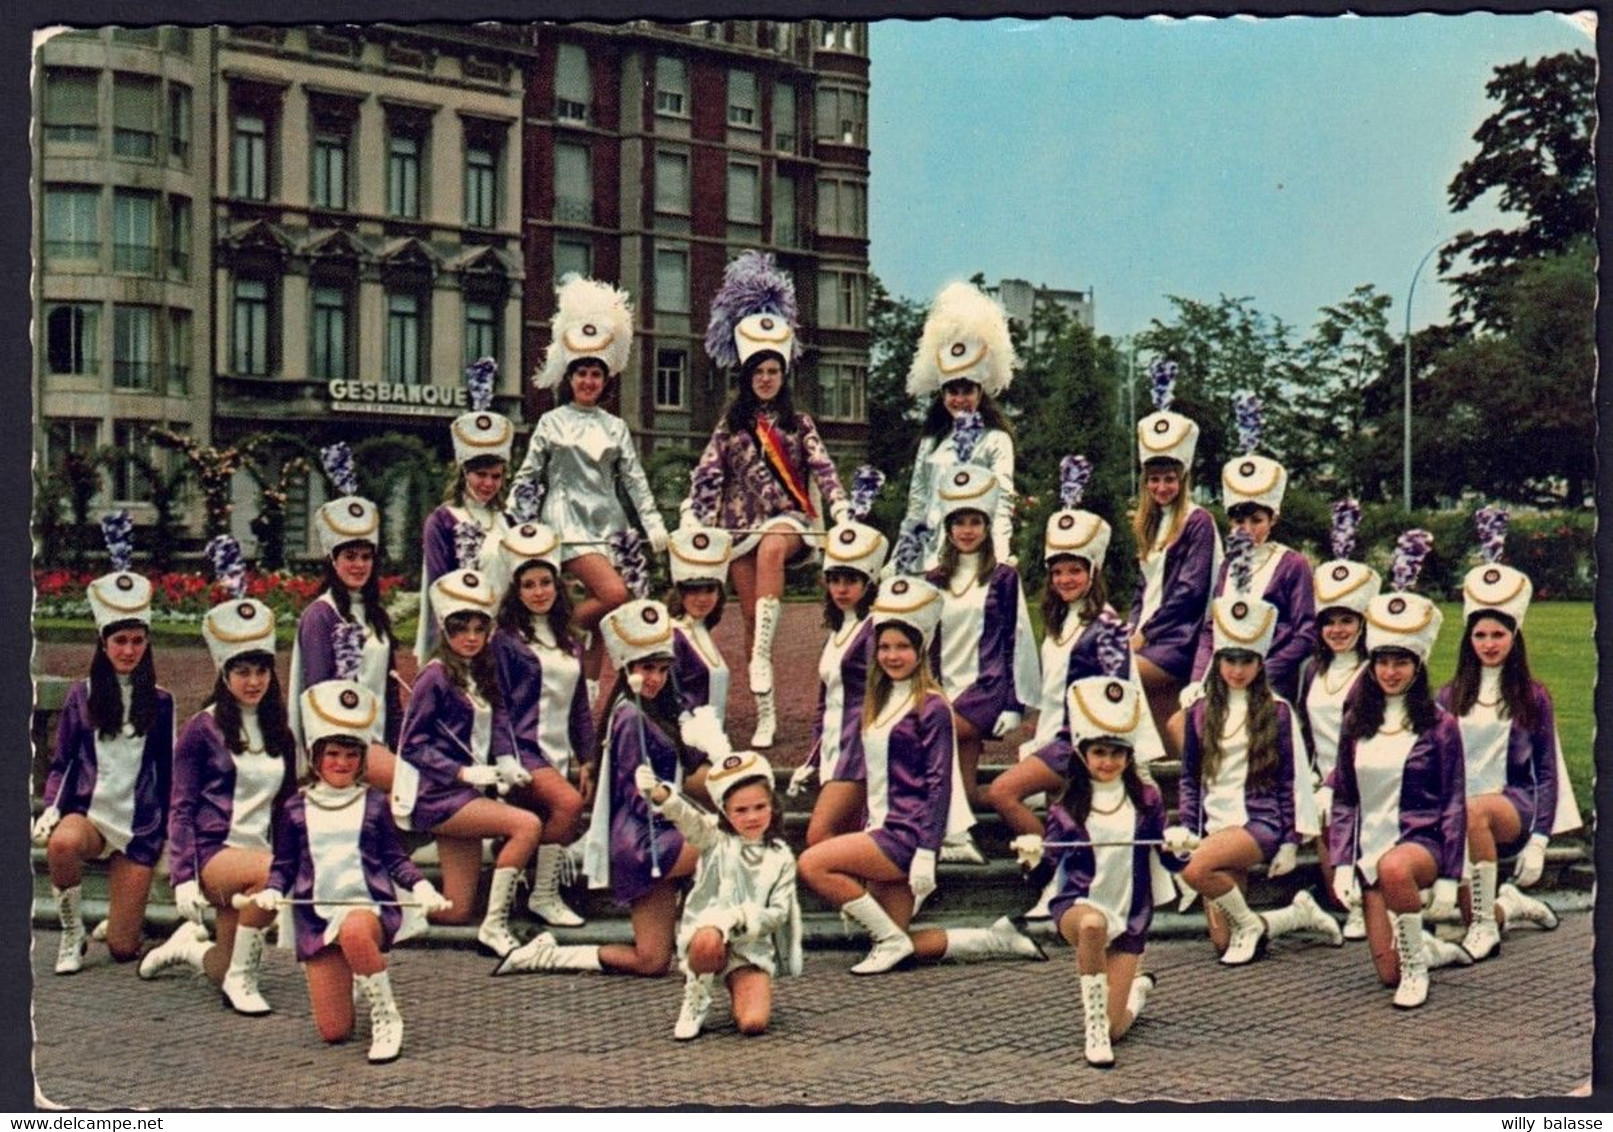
[(370, 593), (454, 493), (277, 738), (1364, 715), (514, 616), (1322, 656), (1055, 608), (1145, 521), (1517, 686), (663, 710), (480, 672), (947, 564), (1077, 796), (880, 685), (106, 700), (1261, 724), (833, 616), (674, 602), (939, 421)]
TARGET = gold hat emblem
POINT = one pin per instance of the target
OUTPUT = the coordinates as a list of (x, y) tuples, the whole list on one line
[(899, 588), (1240, 610), (589, 329), (1066, 522), (1397, 606), (961, 478), (958, 349), (651, 617), (484, 422), (1114, 693), (246, 611), (1340, 573), (356, 509), (1162, 425), (848, 536), (124, 582), (767, 324), (470, 580), (731, 762), (349, 699), (528, 530), (1492, 576), (1247, 468), (701, 541)]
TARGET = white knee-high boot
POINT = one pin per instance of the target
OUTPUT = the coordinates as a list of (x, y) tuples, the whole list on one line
[(542, 953), (1248, 930), (1521, 909), (1413, 989), (386, 1024), (1302, 915), (1483, 938), (891, 943), (494, 934), (1095, 1013), (545, 901), (187, 947), (1000, 941), (70, 952), (761, 671), (240, 985)]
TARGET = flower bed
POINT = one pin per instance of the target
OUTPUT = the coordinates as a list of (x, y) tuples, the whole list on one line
[(185, 597)]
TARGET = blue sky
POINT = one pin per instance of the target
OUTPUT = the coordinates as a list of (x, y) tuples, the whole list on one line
[(1284, 159)]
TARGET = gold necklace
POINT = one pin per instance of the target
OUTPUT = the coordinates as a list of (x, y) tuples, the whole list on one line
[(881, 721), (1401, 730), (1115, 809), (1061, 639), (1482, 702), (308, 796), (1334, 689), (1242, 723), (694, 639), (840, 639), (967, 585)]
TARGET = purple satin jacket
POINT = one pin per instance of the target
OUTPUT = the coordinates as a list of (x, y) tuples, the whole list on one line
[(1271, 804), (630, 819), (1531, 762), (319, 661), (993, 691), (438, 731), (853, 683), (1172, 632), (1080, 866), (1292, 590), (919, 777), (201, 813), (520, 679)]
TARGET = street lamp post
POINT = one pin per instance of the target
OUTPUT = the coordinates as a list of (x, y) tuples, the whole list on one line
[(1405, 465)]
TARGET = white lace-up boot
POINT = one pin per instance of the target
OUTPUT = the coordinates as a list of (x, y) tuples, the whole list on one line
[(1300, 916), (495, 934), (70, 953), (696, 1005), (1521, 909), (1413, 989), (891, 943), (1483, 938), (761, 672), (1095, 1012), (386, 1024), (240, 985), (545, 901), (1000, 941), (187, 947), (542, 953), (1248, 938)]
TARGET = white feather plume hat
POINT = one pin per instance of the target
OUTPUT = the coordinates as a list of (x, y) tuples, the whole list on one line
[(965, 339), (591, 320)]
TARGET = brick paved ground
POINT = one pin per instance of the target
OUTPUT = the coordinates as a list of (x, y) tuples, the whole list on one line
[(1282, 1029)]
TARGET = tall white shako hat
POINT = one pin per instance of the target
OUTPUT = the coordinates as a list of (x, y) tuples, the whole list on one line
[(1071, 530), (736, 767), (965, 338), (637, 630), (853, 545), (1162, 434), (347, 518), (754, 310), (462, 591), (524, 543), (121, 595), (1343, 583), (967, 487), (481, 432), (591, 320), (910, 601), (1492, 587), (237, 625), (1401, 619), (1107, 706), (699, 554), (1251, 478), (1238, 619), (339, 709)]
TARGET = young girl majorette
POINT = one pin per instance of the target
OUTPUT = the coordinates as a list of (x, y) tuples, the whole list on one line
[(581, 453), (740, 919), (1517, 783), (881, 876), (852, 557), (639, 856), (106, 796), (1178, 554), (1103, 836), (339, 864), (1252, 491), (985, 649), (457, 744), (1399, 821), (756, 475), (349, 530), (539, 667), (698, 558), (1244, 797), (234, 767), (475, 495), (1330, 676), (965, 360)]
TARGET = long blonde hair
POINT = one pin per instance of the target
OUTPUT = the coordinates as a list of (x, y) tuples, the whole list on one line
[(1145, 521), (880, 685)]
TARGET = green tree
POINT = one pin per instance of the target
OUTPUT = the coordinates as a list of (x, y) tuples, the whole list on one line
[(1536, 152), (894, 325), (1325, 406)]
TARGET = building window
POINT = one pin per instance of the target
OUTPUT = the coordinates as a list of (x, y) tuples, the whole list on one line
[(64, 436), (573, 257), (73, 338), (744, 193), (179, 228), (841, 392), (573, 184), (134, 232), (134, 348), (840, 36), (672, 280), (72, 223), (249, 156), (329, 189), (842, 207), (403, 153), (405, 343), (71, 112), (671, 87), (784, 226), (481, 331), (134, 116), (672, 182), (130, 481), (842, 300), (842, 116), (742, 100), (179, 348), (671, 378), (481, 186), (179, 113), (784, 136), (251, 345), (573, 90), (328, 334)]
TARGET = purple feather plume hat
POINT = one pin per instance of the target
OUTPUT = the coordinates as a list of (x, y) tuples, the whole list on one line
[(754, 311)]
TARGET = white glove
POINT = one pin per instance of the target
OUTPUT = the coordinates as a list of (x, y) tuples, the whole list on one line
[(1531, 861), (800, 779), (479, 776), (189, 901), (45, 824), (1285, 860), (1344, 886), (1190, 695), (1006, 722), (269, 899), (430, 900), (747, 921), (1028, 849), (1179, 840), (644, 778), (510, 773), (1442, 905), (1324, 801), (840, 512), (658, 539), (921, 876)]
